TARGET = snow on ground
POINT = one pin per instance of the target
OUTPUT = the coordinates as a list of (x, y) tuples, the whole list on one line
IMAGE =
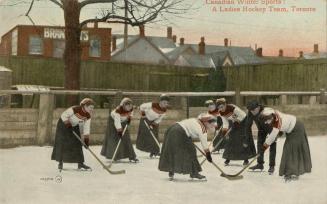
[(29, 176)]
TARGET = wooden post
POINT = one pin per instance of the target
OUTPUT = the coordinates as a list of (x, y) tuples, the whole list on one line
[(282, 100), (44, 124), (238, 96), (312, 100), (187, 107), (322, 96)]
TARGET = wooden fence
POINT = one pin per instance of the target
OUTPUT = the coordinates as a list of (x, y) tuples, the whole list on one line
[(36, 126), (296, 75)]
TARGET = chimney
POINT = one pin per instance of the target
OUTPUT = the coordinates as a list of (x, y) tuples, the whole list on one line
[(174, 38), (315, 48), (142, 34), (202, 47), (114, 45), (96, 24), (230, 43), (169, 32), (181, 41), (280, 53), (301, 54), (226, 42), (259, 52), (255, 47)]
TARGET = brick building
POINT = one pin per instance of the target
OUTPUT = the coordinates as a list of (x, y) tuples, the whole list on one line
[(48, 41)]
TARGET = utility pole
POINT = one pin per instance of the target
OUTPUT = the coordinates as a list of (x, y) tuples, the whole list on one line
[(125, 25)]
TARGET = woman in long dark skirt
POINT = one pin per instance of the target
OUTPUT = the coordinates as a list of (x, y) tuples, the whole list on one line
[(296, 158), (67, 148), (117, 121), (239, 142), (178, 154), (152, 113)]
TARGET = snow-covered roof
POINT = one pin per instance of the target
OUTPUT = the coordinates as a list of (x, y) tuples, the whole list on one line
[(4, 69), (201, 61), (315, 55), (163, 43)]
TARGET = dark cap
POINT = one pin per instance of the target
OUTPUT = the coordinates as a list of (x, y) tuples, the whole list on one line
[(164, 97), (252, 105)]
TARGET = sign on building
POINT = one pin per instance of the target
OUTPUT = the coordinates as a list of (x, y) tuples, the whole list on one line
[(59, 33)]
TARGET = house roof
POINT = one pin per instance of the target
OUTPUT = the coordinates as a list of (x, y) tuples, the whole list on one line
[(134, 40), (163, 43), (201, 61), (315, 55), (175, 53)]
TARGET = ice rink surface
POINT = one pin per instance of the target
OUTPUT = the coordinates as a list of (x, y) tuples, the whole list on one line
[(27, 175)]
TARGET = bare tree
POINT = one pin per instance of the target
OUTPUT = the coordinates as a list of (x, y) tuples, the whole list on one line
[(139, 13)]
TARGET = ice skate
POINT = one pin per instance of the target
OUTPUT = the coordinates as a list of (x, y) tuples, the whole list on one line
[(197, 176), (246, 162), (227, 162), (271, 170), (60, 166), (134, 160), (258, 166), (171, 176), (152, 155), (83, 167)]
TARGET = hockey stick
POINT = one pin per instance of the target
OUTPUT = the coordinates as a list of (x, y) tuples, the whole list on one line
[(245, 167), (223, 174), (215, 136), (116, 150), (103, 165), (216, 146), (155, 139)]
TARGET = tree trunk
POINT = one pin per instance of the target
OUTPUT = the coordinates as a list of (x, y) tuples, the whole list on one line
[(72, 54)]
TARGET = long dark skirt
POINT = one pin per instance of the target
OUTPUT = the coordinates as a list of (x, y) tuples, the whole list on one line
[(218, 139), (296, 158), (238, 136), (67, 148), (178, 153), (111, 140), (144, 140)]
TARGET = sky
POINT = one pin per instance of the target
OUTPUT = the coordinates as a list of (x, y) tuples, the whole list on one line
[(270, 24)]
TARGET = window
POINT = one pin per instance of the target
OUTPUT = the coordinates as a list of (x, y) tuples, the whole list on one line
[(58, 48), (14, 36), (35, 46), (95, 47)]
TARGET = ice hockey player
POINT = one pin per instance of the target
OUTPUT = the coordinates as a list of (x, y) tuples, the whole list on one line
[(178, 151), (240, 145), (254, 110), (67, 148), (152, 113), (296, 158), (213, 110), (117, 121)]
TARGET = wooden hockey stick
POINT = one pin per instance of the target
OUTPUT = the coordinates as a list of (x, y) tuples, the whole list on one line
[(118, 145), (245, 167), (223, 174), (155, 139), (103, 165), (216, 146)]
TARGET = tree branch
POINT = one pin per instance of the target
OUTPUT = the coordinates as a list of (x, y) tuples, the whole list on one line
[(29, 9), (87, 2)]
